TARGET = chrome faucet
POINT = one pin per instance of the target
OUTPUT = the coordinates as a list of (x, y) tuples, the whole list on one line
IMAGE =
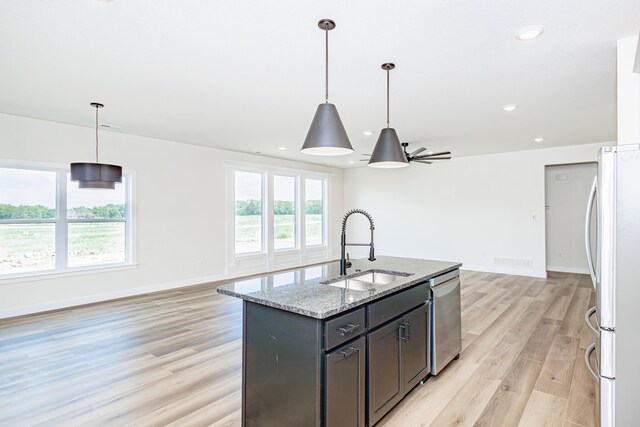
[(344, 256)]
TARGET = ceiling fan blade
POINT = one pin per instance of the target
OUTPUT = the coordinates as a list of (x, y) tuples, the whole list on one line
[(422, 161), (433, 158), (441, 153), (418, 151)]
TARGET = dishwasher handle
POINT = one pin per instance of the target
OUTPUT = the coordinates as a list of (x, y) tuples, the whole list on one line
[(445, 288), (443, 278)]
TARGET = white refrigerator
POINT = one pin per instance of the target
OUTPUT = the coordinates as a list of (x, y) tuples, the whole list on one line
[(613, 255)]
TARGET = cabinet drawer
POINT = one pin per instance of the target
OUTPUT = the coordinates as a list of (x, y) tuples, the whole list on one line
[(343, 328), (397, 304)]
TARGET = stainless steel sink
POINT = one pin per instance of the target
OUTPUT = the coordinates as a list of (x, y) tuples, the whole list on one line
[(366, 280)]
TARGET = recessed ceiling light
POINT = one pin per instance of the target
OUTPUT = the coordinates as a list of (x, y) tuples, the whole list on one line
[(529, 32), (538, 139), (510, 107), (351, 162), (367, 133), (282, 148)]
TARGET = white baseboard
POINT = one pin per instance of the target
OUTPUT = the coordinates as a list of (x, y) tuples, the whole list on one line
[(568, 269), (510, 271), (90, 299)]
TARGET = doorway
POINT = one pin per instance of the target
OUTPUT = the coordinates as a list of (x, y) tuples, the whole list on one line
[(567, 189)]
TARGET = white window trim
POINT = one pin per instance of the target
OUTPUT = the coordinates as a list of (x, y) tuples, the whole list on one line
[(61, 227), (270, 258)]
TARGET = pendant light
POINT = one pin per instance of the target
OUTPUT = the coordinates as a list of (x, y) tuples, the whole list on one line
[(96, 175), (327, 136), (388, 152)]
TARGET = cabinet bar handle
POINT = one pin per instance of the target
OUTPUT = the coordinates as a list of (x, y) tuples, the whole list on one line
[(349, 351), (347, 329), (401, 331)]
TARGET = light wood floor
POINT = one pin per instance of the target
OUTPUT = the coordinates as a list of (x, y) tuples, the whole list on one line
[(174, 358)]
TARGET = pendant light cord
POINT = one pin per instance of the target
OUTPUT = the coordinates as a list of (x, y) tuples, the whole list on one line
[(326, 63), (387, 98), (97, 134)]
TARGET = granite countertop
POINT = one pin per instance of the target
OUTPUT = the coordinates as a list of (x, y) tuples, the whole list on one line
[(300, 291)]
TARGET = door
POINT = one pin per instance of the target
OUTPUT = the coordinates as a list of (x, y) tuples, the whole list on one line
[(566, 192), (415, 346), (603, 259), (385, 379), (345, 386), (605, 390)]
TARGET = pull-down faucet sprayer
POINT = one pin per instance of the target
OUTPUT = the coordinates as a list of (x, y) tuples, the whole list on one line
[(344, 257)]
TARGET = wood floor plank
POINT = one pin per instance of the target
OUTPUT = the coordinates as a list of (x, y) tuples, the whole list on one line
[(510, 399), (557, 373), (573, 322), (540, 341), (174, 358), (543, 410), (581, 405), (467, 405)]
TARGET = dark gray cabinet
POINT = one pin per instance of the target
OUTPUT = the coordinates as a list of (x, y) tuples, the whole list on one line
[(345, 385), (348, 370), (415, 346), (384, 369), (398, 359)]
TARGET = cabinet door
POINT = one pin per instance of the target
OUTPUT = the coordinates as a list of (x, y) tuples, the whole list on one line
[(384, 370), (345, 386), (415, 346)]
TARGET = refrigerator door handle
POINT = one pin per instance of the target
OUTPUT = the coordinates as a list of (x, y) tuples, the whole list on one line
[(587, 359), (587, 230), (587, 319)]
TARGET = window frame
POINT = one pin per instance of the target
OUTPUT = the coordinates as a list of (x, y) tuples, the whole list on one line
[(270, 258), (61, 223)]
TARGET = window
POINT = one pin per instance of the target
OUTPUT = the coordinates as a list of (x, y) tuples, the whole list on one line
[(27, 220), (314, 211), (284, 212), (248, 212), (276, 218), (48, 225), (96, 225)]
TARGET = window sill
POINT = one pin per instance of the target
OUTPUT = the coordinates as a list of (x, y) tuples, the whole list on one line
[(250, 255), (83, 271)]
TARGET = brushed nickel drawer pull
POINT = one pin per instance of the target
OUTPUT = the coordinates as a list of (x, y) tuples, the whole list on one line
[(349, 351), (347, 329)]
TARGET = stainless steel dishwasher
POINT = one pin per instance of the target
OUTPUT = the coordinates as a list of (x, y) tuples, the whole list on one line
[(446, 325)]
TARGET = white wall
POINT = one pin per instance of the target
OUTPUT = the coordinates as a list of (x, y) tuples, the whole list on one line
[(175, 246), (485, 211), (628, 93), (567, 189)]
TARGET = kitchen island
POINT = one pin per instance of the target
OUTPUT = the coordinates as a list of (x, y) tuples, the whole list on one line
[(320, 349)]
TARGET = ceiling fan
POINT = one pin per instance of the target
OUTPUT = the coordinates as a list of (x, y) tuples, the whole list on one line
[(418, 157)]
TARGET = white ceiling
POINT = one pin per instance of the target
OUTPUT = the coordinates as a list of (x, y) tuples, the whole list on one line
[(248, 75)]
